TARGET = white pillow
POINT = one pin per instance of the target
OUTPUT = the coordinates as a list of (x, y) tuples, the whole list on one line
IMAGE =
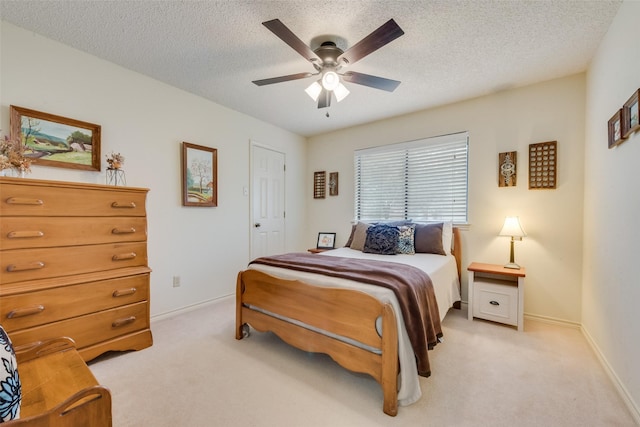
[(447, 236)]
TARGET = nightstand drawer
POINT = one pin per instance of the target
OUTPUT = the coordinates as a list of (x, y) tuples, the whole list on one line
[(496, 300)]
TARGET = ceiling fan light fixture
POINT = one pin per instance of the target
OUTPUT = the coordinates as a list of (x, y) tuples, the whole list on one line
[(314, 90), (330, 80), (341, 92)]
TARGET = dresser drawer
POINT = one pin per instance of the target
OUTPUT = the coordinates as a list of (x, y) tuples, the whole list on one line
[(31, 264), (42, 232), (91, 328), (51, 305), (50, 198), (495, 300)]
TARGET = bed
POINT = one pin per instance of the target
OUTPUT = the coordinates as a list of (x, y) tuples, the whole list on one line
[(359, 325)]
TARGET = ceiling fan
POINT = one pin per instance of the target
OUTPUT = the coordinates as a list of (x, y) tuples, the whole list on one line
[(329, 60)]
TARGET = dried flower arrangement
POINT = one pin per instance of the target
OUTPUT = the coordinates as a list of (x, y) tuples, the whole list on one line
[(12, 155), (115, 160)]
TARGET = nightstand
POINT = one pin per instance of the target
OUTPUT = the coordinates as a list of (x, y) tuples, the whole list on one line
[(496, 293), (317, 251)]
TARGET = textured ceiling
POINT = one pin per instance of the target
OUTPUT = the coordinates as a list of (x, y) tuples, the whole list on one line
[(451, 50)]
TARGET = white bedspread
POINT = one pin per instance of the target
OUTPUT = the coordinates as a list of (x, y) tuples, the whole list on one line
[(443, 273)]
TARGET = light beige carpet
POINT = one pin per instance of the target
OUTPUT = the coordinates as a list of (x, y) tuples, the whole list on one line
[(484, 374)]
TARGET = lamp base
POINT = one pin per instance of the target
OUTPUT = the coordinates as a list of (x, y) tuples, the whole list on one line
[(512, 265)]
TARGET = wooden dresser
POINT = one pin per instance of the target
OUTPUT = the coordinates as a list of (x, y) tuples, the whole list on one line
[(74, 263)]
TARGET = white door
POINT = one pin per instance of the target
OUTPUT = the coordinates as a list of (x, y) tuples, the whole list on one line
[(267, 202)]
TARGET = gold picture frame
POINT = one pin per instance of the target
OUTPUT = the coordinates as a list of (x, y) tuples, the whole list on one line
[(51, 140), (199, 175)]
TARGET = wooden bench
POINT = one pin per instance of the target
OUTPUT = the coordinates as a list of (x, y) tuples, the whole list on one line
[(58, 389)]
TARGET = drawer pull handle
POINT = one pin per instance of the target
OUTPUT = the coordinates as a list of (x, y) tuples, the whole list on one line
[(123, 322), (124, 292), (494, 303), (118, 205), (24, 234), (28, 266), (24, 201), (28, 311), (124, 257), (130, 230)]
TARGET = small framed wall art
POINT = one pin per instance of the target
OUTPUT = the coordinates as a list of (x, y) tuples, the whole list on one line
[(326, 241), (333, 184), (199, 175), (319, 185), (507, 169), (615, 129), (55, 140), (543, 165), (630, 115)]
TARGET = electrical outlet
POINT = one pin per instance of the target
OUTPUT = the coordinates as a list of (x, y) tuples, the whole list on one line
[(176, 281)]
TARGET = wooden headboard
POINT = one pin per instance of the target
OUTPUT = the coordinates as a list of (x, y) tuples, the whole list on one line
[(456, 251)]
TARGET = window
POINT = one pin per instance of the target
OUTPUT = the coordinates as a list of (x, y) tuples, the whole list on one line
[(423, 180)]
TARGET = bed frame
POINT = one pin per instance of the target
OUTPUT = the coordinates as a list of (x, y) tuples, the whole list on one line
[(347, 313)]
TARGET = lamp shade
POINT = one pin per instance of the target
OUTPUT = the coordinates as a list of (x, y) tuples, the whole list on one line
[(341, 92), (314, 90), (512, 227)]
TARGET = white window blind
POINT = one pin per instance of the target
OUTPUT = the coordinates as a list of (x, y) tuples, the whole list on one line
[(423, 180)]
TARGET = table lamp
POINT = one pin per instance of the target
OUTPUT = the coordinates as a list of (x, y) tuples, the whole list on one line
[(513, 229)]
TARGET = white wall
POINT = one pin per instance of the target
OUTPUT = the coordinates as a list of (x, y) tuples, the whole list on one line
[(611, 289), (505, 121), (147, 121)]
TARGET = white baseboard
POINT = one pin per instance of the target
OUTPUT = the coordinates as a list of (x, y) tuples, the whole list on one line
[(622, 390), (552, 320), (188, 308)]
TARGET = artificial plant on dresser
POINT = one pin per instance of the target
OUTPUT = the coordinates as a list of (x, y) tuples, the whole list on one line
[(74, 263)]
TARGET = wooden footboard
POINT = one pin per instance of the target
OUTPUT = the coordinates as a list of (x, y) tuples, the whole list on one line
[(346, 313)]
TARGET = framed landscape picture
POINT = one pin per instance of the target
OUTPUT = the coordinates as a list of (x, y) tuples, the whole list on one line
[(51, 140), (199, 175)]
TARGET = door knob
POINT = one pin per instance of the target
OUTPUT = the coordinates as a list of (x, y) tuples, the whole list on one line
[(256, 225)]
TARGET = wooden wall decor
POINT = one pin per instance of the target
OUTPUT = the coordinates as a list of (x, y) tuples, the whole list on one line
[(507, 169), (543, 165), (319, 184), (333, 184)]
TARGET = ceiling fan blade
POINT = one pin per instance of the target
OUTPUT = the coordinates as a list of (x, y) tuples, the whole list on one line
[(287, 36), (386, 33), (324, 100), (282, 79), (371, 81)]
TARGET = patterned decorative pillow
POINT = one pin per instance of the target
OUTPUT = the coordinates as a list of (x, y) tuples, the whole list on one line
[(10, 391), (382, 239), (406, 239)]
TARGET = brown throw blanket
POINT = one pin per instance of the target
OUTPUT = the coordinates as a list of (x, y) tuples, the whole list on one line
[(412, 287)]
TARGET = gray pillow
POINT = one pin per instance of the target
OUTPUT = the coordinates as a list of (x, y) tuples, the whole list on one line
[(428, 239), (359, 236)]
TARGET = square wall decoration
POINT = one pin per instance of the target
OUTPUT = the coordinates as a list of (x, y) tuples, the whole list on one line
[(543, 165)]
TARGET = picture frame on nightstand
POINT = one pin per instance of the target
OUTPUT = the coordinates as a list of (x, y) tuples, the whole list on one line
[(326, 241)]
